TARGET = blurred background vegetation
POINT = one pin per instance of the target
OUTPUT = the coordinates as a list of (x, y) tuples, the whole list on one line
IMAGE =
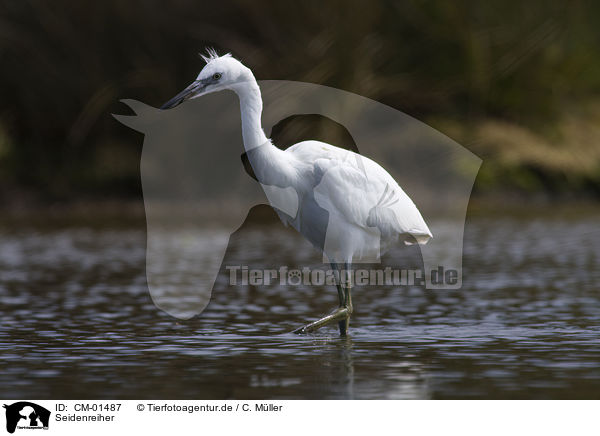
[(518, 83)]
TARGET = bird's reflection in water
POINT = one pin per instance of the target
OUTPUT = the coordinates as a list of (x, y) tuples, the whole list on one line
[(347, 365), (347, 371), (334, 355)]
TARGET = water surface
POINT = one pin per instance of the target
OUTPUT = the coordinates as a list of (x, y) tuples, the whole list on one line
[(77, 321)]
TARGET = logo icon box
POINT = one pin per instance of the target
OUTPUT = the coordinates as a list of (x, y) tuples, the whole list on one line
[(27, 415)]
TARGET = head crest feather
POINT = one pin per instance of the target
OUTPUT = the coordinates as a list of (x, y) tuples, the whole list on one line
[(211, 55)]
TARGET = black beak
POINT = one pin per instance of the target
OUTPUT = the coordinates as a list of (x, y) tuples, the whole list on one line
[(194, 89)]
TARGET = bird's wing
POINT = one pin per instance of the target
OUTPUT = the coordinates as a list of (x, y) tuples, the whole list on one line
[(361, 192), (309, 151)]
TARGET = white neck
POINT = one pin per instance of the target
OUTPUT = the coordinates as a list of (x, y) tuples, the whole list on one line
[(251, 111), (271, 165)]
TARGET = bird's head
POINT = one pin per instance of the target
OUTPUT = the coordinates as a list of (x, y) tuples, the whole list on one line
[(219, 73)]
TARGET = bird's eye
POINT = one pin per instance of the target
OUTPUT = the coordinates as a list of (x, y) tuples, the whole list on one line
[(217, 76)]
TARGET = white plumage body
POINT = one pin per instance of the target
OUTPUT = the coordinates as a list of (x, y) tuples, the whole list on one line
[(367, 210)]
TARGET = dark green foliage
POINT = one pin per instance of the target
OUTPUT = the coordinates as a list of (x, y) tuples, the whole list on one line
[(65, 64)]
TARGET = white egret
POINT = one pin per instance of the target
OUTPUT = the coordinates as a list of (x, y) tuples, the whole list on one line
[(347, 205)]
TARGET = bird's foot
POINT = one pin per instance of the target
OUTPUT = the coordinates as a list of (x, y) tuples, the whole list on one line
[(340, 315)]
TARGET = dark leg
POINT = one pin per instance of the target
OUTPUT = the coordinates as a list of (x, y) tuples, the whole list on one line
[(337, 315), (341, 314), (346, 284), (338, 285)]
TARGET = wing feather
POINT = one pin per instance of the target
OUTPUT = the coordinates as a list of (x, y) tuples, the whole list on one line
[(360, 191)]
